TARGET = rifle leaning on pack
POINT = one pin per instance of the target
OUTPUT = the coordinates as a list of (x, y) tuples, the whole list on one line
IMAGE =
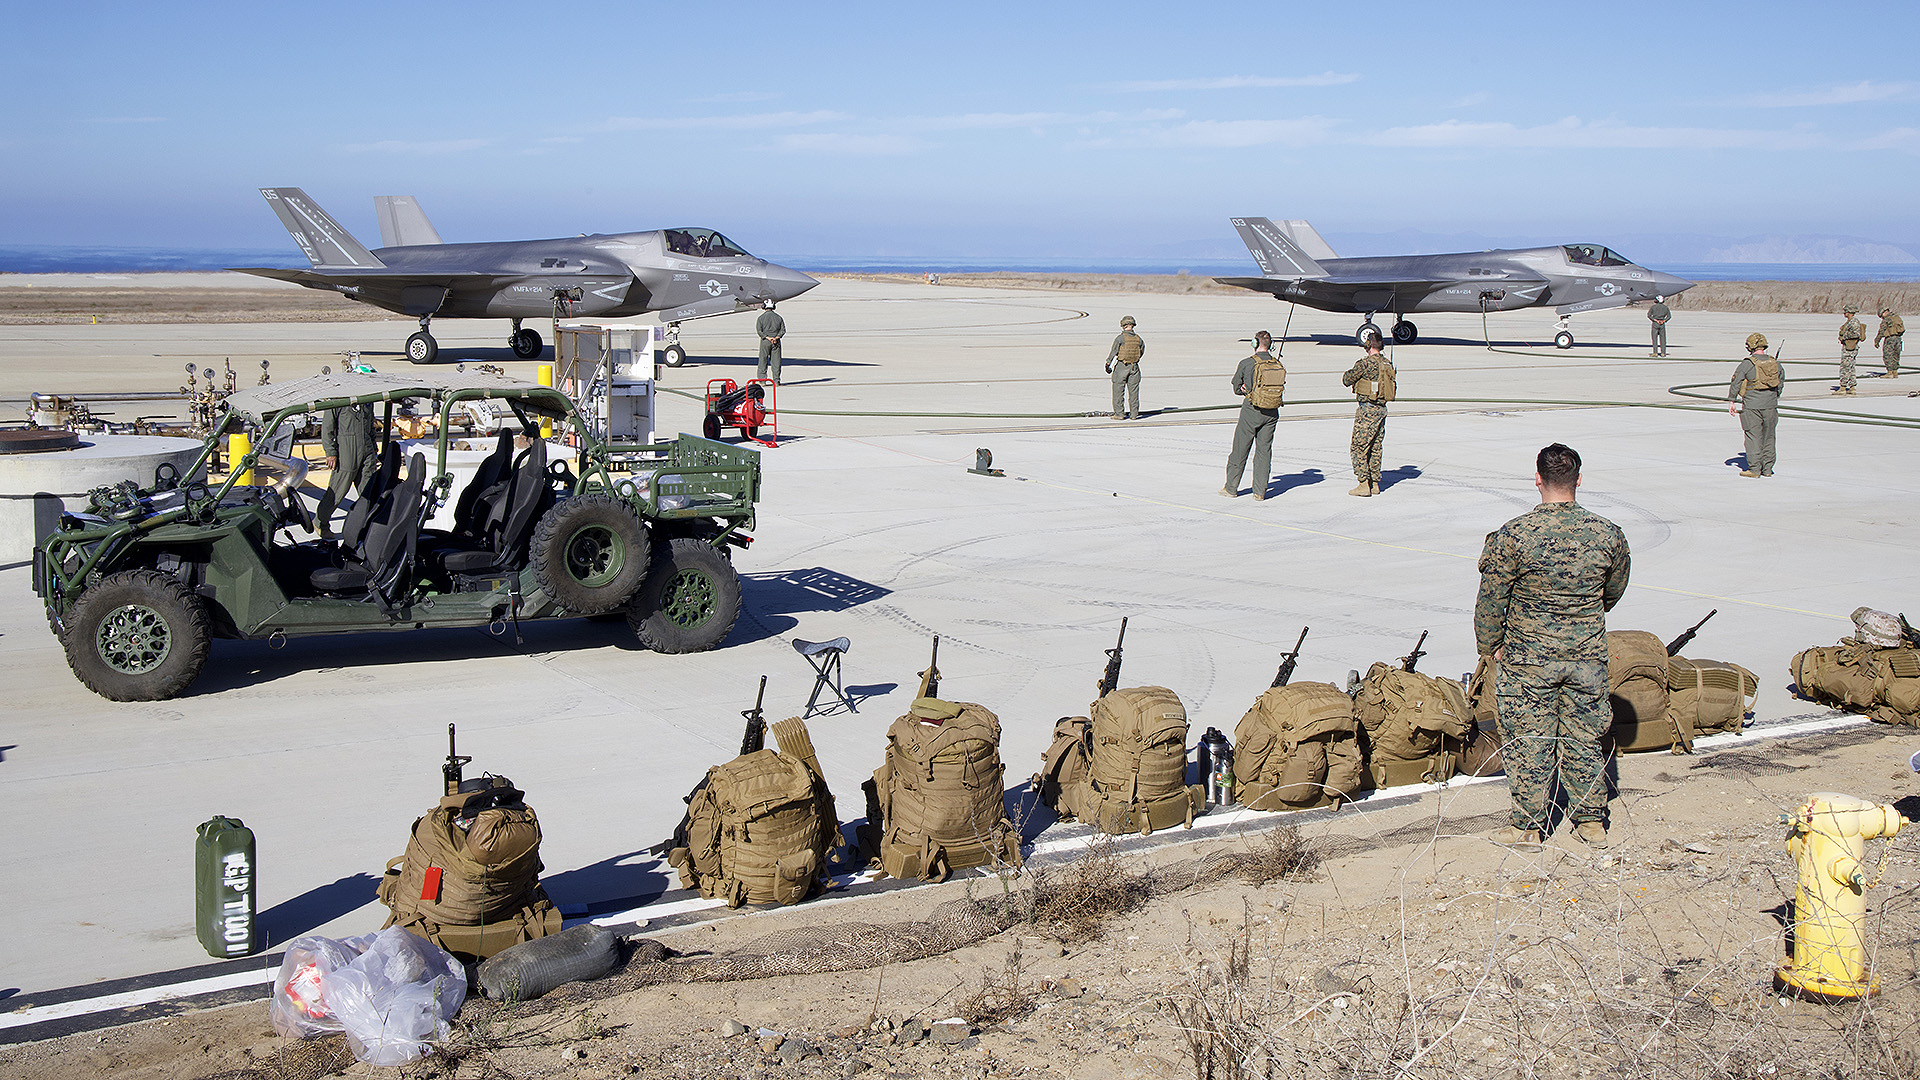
[(755, 738), (930, 678), (1110, 679), (1674, 646), (1289, 660), (1408, 661), (456, 765), (1907, 631)]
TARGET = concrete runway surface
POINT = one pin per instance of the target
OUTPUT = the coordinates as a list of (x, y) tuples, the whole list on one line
[(872, 528)]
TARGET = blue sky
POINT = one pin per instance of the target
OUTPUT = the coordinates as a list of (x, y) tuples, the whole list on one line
[(1029, 131)]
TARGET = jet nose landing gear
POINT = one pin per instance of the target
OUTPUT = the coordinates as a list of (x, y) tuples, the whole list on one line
[(421, 348)]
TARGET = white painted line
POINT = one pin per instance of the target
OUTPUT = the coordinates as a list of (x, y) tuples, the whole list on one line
[(36, 1014)]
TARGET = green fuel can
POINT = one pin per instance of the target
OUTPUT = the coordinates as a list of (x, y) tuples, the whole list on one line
[(224, 882)]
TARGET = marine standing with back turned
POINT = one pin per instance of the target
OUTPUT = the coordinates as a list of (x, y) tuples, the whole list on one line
[(1371, 377), (1754, 394), (1852, 332), (1659, 315), (771, 328), (1888, 338), (1123, 363), (1547, 580), (1261, 380)]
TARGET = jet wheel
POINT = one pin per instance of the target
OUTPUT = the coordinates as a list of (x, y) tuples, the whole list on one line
[(1405, 333), (421, 348), (1563, 340), (526, 344), (1368, 327), (673, 356)]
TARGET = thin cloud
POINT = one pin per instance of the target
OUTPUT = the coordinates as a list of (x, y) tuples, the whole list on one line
[(976, 121), (1903, 138), (827, 142), (1572, 133), (401, 146), (127, 120), (744, 122), (1848, 94), (1223, 134), (1233, 82)]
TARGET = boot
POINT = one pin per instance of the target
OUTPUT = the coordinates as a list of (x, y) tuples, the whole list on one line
[(1373, 486), (1591, 833), (1749, 472), (1229, 492), (1362, 489), (1514, 836)]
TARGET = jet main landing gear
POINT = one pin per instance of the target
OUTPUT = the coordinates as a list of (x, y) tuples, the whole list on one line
[(1404, 332), (421, 348), (526, 343)]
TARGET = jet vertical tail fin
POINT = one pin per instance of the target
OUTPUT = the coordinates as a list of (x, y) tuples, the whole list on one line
[(1275, 251), (326, 244), (1307, 239), (402, 222)]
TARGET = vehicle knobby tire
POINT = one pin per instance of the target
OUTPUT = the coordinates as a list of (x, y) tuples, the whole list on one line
[(139, 635), (690, 600), (590, 553)]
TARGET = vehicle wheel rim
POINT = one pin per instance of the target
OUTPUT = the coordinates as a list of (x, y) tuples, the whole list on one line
[(134, 639), (595, 556), (690, 598)]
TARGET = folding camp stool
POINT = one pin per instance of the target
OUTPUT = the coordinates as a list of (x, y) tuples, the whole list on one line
[(825, 658)]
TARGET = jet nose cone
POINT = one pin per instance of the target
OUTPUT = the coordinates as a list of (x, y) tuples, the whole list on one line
[(1668, 285), (784, 283)]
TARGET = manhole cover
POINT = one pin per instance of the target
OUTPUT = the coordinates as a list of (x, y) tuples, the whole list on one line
[(34, 440)]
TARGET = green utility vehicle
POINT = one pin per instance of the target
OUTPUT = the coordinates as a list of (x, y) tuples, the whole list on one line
[(137, 584)]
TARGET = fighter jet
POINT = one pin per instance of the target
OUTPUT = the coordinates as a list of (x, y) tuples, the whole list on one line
[(680, 273), (1299, 267)]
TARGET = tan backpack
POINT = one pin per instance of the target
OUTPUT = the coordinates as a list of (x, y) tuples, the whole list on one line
[(1131, 771), (1415, 725), (1896, 680), (470, 879), (1637, 691), (1298, 747), (941, 792), (761, 827), (1840, 675), (1379, 390), (1269, 382), (1706, 697)]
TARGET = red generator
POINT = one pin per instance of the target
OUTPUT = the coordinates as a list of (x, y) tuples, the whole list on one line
[(749, 408)]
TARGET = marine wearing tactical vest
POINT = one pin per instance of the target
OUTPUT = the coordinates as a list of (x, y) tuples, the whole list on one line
[(1372, 380), (1756, 387), (470, 879), (1852, 332), (1262, 381), (1123, 363), (1887, 337)]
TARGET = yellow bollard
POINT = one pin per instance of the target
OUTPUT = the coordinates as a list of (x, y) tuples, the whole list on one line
[(544, 376), (1828, 838), (239, 444)]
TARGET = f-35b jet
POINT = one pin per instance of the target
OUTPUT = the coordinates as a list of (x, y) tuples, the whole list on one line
[(680, 273), (1299, 267)]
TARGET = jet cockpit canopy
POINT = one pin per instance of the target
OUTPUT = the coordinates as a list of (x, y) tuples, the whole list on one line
[(702, 244), (1594, 255)]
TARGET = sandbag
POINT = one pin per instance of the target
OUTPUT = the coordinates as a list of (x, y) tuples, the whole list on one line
[(1707, 697), (1415, 725), (1298, 747), (1133, 759), (759, 829), (470, 879), (1637, 691), (941, 792), (531, 969)]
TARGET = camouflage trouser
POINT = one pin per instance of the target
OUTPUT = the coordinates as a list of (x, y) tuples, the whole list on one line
[(1759, 416), (1847, 357), (1554, 714), (1126, 381), (1369, 437), (1890, 355), (769, 358), (1253, 434)]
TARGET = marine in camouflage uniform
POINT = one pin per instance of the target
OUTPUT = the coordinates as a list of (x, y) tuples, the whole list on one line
[(1851, 333), (346, 437), (1123, 363), (1254, 432), (1547, 580), (1369, 422), (771, 328), (1756, 387), (1888, 338), (1659, 315)]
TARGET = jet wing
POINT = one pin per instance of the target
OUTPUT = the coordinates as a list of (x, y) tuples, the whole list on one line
[(412, 293), (1345, 294)]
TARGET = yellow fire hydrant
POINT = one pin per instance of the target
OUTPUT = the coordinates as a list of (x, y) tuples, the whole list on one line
[(1827, 838)]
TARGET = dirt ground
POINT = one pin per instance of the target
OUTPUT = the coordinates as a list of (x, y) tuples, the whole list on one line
[(1415, 947), (147, 304)]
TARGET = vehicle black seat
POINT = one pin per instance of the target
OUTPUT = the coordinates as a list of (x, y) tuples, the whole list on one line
[(487, 488), (510, 525), (390, 541), (353, 529)]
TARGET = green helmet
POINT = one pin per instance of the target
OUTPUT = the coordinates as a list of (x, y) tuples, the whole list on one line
[(1851, 309), (1756, 342), (1126, 321)]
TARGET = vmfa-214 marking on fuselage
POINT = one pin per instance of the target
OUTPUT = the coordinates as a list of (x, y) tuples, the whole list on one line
[(1299, 267), (679, 273)]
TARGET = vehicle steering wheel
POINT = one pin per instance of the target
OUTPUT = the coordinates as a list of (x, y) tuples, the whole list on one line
[(301, 514)]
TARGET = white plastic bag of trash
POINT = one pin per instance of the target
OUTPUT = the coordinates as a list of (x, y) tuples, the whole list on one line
[(391, 992)]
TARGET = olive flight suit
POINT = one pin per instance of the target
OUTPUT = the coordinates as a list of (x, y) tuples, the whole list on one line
[(1124, 361), (1659, 315), (771, 328), (1254, 432), (1756, 385)]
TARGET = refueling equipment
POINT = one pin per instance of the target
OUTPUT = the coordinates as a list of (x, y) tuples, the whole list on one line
[(1827, 837), (749, 407)]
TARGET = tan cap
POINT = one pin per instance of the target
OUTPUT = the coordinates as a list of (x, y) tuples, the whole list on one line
[(1126, 320)]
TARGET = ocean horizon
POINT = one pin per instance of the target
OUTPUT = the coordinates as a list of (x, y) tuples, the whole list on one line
[(111, 260)]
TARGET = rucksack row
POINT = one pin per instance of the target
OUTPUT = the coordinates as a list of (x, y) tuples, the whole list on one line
[(1875, 671)]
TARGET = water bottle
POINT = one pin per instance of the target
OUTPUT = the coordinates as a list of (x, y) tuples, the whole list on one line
[(1216, 763)]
